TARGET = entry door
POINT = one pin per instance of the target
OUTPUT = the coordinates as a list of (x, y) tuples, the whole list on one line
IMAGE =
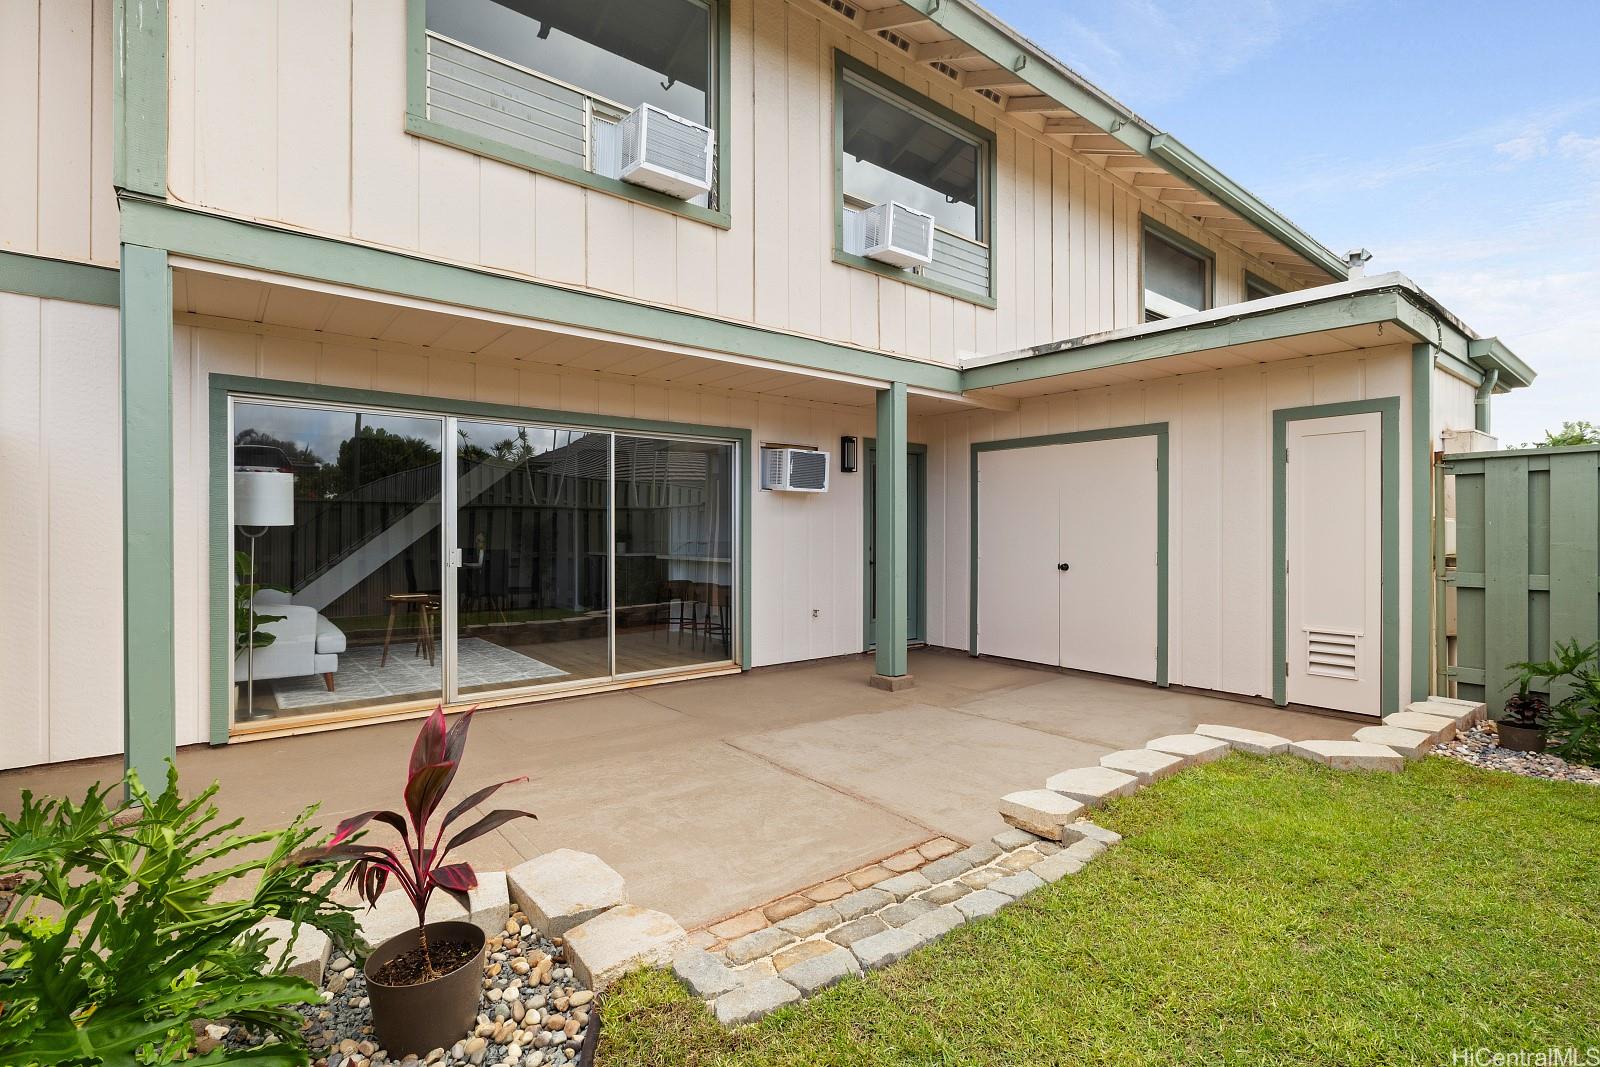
[(1108, 542), (1067, 565), (916, 545), (1333, 556)]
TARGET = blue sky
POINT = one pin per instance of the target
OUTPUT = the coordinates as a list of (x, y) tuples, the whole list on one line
[(1459, 142)]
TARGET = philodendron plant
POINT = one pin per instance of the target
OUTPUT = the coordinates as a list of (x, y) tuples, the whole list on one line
[(419, 867)]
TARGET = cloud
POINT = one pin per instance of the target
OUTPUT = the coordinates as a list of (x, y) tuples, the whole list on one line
[(1584, 149), (1523, 147)]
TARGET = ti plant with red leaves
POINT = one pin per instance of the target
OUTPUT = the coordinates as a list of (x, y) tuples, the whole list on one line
[(420, 868)]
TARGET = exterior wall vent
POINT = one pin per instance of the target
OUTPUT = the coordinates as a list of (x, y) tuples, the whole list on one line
[(895, 39), (664, 152), (795, 470), (946, 69), (897, 234), (840, 7), (1332, 654), (992, 96)]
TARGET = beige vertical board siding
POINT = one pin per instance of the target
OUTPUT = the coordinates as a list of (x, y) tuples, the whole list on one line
[(1454, 406), (56, 197), (19, 125), (293, 112), (1220, 504), (314, 139), (60, 536)]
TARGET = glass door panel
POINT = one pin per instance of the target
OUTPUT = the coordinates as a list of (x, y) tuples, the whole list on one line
[(341, 510), (532, 581), (674, 553)]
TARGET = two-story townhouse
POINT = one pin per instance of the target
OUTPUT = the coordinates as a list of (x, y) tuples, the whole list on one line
[(364, 354)]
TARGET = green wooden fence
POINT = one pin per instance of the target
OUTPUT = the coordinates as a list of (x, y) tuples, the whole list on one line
[(1527, 570)]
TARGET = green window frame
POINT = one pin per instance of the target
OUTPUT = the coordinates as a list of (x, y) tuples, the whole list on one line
[(419, 124), (843, 64), (1149, 228), (1258, 288)]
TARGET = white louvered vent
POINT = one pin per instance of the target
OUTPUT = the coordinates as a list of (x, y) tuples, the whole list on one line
[(1332, 654), (794, 470), (665, 152), (894, 233)]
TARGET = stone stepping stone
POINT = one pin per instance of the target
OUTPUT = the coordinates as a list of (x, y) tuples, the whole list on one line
[(1256, 742), (703, 974), (1014, 838), (1409, 743), (1017, 885), (393, 914), (1477, 710), (752, 947), (1192, 748), (1084, 849), (308, 956), (1086, 830), (1464, 716), (1435, 726), (1092, 785), (819, 972), (620, 940), (561, 889), (1054, 868), (1041, 812), (983, 902), (880, 950), (1349, 755), (1145, 764), (750, 1002)]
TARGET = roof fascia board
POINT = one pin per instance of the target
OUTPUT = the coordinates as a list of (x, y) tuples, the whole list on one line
[(1045, 73), (221, 239), (1360, 310)]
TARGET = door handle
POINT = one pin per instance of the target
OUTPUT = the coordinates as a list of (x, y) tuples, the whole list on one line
[(1063, 566)]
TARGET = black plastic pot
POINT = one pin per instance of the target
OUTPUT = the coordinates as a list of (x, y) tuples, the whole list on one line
[(416, 1019), (1520, 738)]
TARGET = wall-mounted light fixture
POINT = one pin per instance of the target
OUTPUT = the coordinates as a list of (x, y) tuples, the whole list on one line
[(847, 455)]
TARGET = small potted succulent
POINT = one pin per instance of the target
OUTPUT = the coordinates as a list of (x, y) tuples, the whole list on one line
[(424, 984)]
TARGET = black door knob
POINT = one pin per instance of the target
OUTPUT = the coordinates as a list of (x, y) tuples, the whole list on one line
[(1063, 566)]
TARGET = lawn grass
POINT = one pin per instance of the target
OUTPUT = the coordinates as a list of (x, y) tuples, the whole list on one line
[(1260, 911)]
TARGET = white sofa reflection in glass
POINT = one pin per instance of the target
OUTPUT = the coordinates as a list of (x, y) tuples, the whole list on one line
[(304, 642)]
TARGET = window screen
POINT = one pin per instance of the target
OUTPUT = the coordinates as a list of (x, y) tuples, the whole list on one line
[(894, 151), (1256, 289), (644, 51), (1174, 273)]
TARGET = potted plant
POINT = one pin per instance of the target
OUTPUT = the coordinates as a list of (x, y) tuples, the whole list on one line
[(424, 984), (1521, 728)]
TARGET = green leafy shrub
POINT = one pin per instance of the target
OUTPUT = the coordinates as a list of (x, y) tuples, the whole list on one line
[(1574, 724), (117, 939)]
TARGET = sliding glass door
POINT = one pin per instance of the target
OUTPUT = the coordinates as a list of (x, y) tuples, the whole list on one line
[(576, 556)]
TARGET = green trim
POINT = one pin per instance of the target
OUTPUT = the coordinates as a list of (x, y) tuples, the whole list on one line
[(1072, 356), (149, 666), (916, 542), (1422, 357), (139, 95), (249, 244), (1179, 159), (1458, 368), (1389, 409), (1163, 232), (1441, 646), (844, 62), (1003, 46), (419, 124), (59, 279), (1489, 353), (1251, 278), (1158, 430), (222, 386), (889, 656)]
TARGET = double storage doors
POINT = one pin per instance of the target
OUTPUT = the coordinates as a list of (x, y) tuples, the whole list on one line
[(1068, 564)]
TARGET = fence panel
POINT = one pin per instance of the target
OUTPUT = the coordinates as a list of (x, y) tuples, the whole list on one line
[(1527, 561)]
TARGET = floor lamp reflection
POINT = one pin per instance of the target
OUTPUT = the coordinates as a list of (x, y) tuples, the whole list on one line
[(261, 499)]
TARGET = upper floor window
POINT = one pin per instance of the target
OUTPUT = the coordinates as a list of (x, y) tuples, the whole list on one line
[(1177, 276), (1256, 289), (551, 79), (893, 145)]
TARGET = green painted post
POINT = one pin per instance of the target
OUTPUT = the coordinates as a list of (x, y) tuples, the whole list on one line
[(1505, 575), (147, 559), (891, 548), (139, 96), (1422, 519)]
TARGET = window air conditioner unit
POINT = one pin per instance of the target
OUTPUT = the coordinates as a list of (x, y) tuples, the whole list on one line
[(794, 470), (661, 151), (894, 233)]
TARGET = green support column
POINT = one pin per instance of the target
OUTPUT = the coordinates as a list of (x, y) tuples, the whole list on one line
[(1422, 519), (891, 550), (147, 605)]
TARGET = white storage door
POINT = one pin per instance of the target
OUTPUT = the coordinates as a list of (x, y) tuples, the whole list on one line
[(1333, 538), (1018, 538), (1108, 541), (1093, 507)]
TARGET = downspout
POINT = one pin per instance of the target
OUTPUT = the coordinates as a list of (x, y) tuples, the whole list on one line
[(1480, 402)]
